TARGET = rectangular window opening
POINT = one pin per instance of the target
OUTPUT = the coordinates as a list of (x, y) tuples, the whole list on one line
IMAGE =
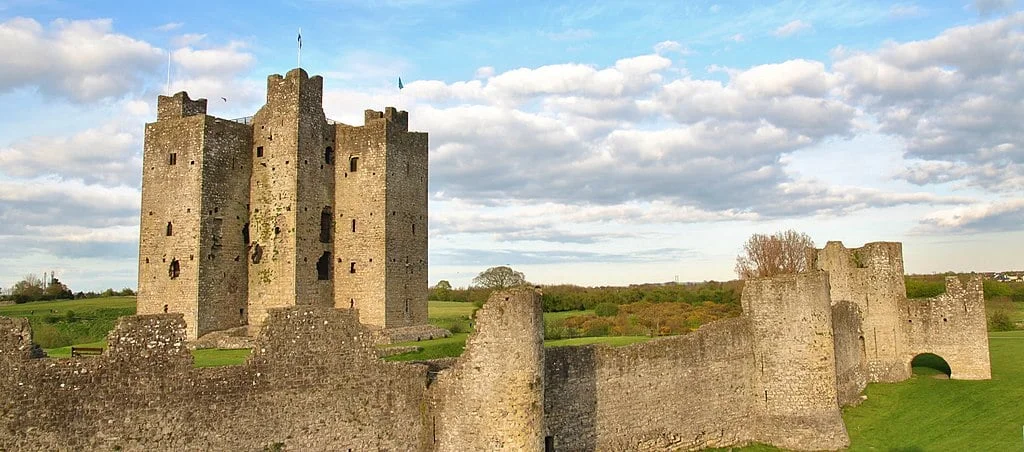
[(172, 159), (259, 151)]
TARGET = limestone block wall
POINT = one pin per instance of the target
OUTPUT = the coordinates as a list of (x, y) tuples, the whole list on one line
[(171, 213), (493, 397), (851, 359), (291, 187), (223, 250), (360, 200), (872, 278), (406, 223), (794, 361), (951, 325), (675, 393), (315, 196), (327, 391)]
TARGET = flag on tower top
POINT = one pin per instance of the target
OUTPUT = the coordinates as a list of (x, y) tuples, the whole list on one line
[(300, 38), (400, 85)]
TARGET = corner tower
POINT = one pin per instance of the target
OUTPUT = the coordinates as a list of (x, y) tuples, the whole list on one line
[(195, 186), (291, 196), (381, 205)]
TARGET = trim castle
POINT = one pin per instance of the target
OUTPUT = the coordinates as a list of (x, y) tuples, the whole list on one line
[(280, 209), (805, 346)]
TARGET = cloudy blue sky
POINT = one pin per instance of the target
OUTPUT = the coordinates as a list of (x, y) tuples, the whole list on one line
[(588, 143)]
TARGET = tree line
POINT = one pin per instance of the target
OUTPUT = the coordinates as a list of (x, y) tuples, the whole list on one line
[(34, 288)]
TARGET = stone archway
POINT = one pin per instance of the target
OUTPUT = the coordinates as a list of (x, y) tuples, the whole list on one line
[(930, 364)]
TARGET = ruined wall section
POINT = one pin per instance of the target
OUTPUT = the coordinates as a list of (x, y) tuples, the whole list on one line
[(795, 363), (951, 325), (872, 278), (493, 397), (851, 357), (144, 394), (683, 392), (406, 223), (170, 225), (360, 211), (223, 267)]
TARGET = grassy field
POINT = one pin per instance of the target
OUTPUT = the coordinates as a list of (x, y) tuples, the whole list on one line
[(63, 323), (925, 413)]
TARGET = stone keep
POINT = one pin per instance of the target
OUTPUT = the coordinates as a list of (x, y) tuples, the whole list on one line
[(281, 209)]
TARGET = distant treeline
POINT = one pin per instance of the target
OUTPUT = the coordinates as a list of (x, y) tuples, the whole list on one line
[(566, 297)]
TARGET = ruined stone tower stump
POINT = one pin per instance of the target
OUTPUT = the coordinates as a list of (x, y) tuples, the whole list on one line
[(493, 398)]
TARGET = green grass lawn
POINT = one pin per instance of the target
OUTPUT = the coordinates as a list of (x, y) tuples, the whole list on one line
[(614, 341), (90, 321), (562, 315), (925, 413)]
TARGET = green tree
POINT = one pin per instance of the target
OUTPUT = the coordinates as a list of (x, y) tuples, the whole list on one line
[(442, 291), (499, 278), (28, 289)]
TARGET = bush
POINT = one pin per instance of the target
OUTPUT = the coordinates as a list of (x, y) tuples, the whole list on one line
[(1000, 321), (70, 316), (606, 310)]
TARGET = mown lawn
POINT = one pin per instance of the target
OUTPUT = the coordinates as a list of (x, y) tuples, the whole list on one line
[(61, 323), (925, 413)]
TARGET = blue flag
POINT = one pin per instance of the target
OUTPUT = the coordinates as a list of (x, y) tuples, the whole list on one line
[(300, 38), (400, 85)]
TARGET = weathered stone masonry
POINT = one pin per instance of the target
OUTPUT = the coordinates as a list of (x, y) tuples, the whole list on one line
[(285, 208), (778, 374)]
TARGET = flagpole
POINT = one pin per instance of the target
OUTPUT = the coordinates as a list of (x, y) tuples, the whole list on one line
[(167, 88)]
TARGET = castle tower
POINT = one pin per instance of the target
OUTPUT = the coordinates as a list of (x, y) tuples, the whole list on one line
[(795, 366), (195, 187), (291, 198), (381, 205)]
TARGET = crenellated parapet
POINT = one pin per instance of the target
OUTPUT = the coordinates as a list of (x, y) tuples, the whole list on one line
[(178, 106)]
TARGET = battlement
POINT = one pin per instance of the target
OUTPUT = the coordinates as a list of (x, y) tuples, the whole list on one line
[(178, 106), (295, 81), (400, 118)]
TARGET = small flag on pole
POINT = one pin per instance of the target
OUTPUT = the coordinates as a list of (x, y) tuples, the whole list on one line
[(300, 38), (400, 85), (299, 58)]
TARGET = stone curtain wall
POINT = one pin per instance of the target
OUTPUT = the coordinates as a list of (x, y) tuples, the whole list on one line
[(680, 392), (493, 397), (951, 325), (851, 367), (795, 363), (325, 390)]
